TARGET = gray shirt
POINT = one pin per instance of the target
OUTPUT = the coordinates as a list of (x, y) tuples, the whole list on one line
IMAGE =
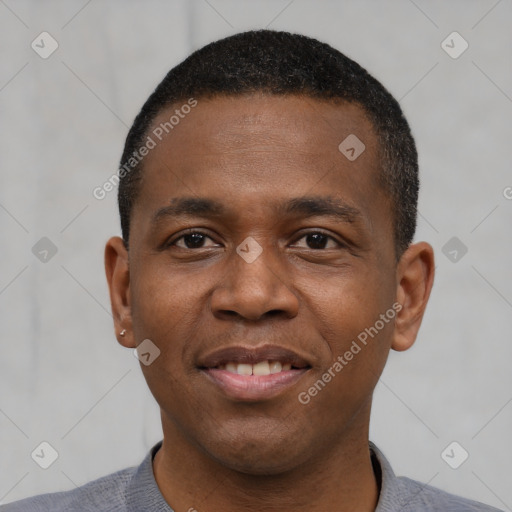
[(135, 490)]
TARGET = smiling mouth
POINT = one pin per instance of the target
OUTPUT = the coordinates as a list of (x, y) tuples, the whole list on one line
[(253, 387), (259, 369), (243, 374)]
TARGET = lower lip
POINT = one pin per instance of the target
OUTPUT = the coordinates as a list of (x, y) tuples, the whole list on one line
[(253, 387)]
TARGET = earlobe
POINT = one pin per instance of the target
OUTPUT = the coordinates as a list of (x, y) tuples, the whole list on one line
[(415, 277), (118, 278)]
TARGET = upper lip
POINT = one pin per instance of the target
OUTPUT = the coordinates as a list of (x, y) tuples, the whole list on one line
[(253, 355)]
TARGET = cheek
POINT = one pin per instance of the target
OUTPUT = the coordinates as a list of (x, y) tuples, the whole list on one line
[(161, 309), (355, 319), (161, 299), (357, 343), (348, 305), (166, 309)]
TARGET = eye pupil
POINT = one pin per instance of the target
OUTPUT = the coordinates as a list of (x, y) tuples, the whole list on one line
[(317, 240), (196, 240)]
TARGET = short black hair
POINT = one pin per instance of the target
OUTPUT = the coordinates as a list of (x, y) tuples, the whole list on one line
[(282, 63)]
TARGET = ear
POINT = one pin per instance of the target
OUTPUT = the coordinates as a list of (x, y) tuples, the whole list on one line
[(415, 277), (118, 277)]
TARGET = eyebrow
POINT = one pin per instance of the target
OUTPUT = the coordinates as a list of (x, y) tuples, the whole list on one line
[(305, 206), (191, 207), (322, 206)]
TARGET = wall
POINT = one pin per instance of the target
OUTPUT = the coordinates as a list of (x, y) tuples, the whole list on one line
[(63, 377)]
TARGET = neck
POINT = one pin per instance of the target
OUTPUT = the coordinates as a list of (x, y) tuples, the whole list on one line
[(339, 479)]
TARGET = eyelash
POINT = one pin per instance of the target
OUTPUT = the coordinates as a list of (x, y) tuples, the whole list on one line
[(172, 243)]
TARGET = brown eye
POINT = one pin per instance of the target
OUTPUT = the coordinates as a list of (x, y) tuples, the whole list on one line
[(190, 240), (317, 240)]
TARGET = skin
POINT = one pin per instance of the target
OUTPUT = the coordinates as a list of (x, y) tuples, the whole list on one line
[(253, 153)]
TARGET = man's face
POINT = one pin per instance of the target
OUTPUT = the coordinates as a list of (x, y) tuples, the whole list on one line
[(319, 281)]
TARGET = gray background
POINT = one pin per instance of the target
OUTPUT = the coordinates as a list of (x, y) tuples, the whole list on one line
[(63, 377)]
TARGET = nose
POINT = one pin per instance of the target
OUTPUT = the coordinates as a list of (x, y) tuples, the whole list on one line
[(253, 290)]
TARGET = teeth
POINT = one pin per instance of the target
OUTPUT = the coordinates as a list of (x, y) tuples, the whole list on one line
[(275, 367), (231, 367), (244, 369), (261, 368)]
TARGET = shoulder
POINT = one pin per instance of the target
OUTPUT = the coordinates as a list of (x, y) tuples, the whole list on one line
[(104, 494), (414, 495), (401, 494)]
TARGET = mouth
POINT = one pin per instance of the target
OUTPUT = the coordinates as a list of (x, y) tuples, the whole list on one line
[(254, 374)]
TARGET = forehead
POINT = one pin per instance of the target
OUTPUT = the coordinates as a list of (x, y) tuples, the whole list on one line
[(263, 149), (227, 122), (290, 131)]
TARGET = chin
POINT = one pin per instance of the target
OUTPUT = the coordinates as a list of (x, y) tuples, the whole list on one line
[(258, 464), (262, 453)]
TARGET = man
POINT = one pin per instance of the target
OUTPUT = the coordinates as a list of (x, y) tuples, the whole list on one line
[(267, 194)]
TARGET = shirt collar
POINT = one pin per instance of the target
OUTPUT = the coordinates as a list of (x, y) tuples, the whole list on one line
[(389, 483), (143, 492)]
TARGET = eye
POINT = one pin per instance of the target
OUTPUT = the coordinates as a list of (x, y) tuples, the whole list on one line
[(318, 240), (191, 240)]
